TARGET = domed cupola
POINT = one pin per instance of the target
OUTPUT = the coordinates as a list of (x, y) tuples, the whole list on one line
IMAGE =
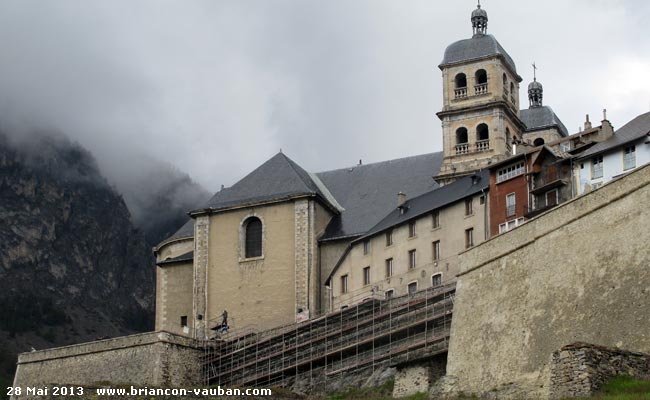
[(479, 21), (535, 93)]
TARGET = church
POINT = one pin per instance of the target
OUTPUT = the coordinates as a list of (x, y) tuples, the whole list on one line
[(283, 245)]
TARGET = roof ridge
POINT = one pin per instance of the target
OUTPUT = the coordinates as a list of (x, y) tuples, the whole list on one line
[(379, 162), (294, 167)]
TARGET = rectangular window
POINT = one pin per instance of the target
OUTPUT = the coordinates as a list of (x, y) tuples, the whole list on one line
[(184, 321), (511, 205), (389, 237), (468, 207), (366, 247), (389, 294), (551, 198), (510, 225), (389, 268), (436, 250), (436, 280), (469, 238), (481, 200), (412, 229), (411, 259), (366, 276), (597, 167), (412, 288), (510, 172), (435, 219), (629, 158), (344, 284), (502, 228), (565, 146)]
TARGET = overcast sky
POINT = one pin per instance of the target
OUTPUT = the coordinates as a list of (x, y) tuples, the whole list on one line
[(217, 86)]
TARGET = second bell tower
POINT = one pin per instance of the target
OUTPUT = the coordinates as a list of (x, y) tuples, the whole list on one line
[(480, 115)]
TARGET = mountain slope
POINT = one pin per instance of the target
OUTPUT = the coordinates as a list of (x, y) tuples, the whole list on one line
[(72, 265)]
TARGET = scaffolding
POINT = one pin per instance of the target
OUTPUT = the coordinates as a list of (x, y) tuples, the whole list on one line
[(369, 335)]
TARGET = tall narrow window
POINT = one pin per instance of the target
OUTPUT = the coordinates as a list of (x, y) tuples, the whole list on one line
[(629, 158), (436, 280), (551, 197), (389, 237), (469, 238), (412, 288), (436, 250), (253, 241), (344, 284), (412, 229), (366, 247), (435, 219), (597, 167), (511, 204), (389, 268), (366, 276), (184, 321), (468, 207), (411, 259)]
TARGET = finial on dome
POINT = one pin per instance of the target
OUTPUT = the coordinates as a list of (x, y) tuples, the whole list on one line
[(479, 20), (535, 91)]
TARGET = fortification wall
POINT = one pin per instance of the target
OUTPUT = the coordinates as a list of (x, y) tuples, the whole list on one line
[(580, 369), (578, 273), (148, 359)]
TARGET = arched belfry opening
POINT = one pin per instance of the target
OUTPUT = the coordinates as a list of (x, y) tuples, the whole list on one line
[(482, 137), (461, 136), (461, 81), (538, 142), (481, 77)]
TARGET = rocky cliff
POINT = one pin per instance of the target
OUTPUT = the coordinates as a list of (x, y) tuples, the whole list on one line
[(72, 265)]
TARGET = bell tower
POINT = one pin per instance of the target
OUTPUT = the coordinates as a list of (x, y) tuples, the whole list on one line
[(480, 115)]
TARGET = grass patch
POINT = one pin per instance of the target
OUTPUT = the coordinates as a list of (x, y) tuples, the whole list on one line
[(625, 388), (383, 392)]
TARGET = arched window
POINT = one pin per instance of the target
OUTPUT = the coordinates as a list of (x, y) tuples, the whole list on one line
[(481, 77), (482, 132), (538, 142), (512, 92), (508, 137), (505, 81), (461, 135), (461, 81), (253, 237)]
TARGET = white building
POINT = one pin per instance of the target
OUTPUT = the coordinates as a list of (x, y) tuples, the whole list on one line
[(627, 150)]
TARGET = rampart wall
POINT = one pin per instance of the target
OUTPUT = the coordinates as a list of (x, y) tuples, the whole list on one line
[(579, 273), (148, 359)]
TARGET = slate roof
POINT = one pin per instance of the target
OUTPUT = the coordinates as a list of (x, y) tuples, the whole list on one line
[(278, 178), (189, 256), (432, 200), (187, 230), (363, 193), (633, 130), (368, 192), (476, 48), (538, 118)]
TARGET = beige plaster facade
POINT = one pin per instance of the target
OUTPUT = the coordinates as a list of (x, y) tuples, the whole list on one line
[(451, 234), (279, 287)]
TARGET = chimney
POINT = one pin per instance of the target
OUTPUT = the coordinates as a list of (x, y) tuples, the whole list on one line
[(401, 199), (587, 123)]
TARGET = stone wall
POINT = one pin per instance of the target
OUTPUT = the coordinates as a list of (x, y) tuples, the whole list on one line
[(580, 369), (148, 359), (576, 273)]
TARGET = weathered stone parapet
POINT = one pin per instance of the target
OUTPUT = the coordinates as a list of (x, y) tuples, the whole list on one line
[(581, 369), (148, 359)]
